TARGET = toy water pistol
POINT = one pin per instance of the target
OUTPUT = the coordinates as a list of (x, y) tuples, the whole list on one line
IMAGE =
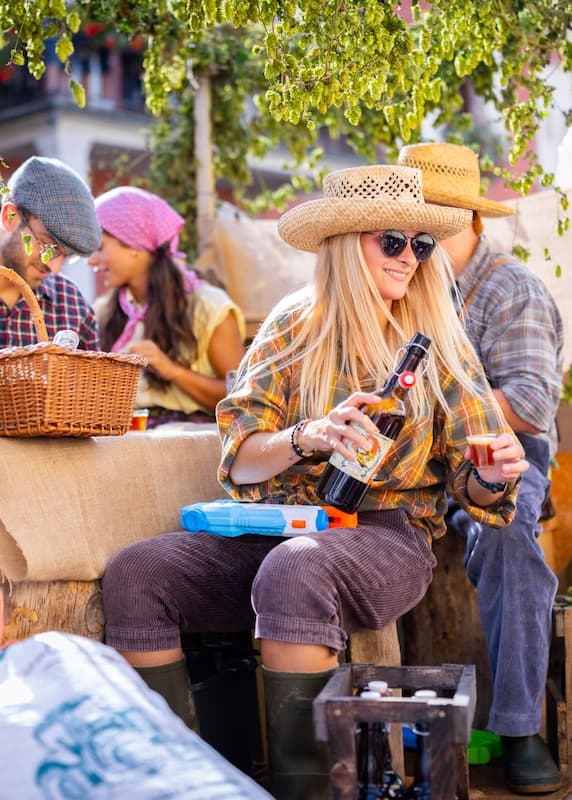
[(231, 518)]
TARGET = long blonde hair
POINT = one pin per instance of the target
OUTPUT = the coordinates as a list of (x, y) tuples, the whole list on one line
[(336, 327)]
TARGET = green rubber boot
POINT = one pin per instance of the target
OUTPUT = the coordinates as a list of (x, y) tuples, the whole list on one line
[(298, 765), (171, 681)]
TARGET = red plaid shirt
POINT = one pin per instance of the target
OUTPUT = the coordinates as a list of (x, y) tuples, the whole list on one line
[(62, 305)]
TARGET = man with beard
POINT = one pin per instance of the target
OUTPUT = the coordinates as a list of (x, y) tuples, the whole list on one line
[(48, 216), (517, 332)]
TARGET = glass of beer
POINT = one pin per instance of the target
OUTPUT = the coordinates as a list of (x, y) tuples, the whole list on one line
[(479, 436), (139, 419), (480, 445)]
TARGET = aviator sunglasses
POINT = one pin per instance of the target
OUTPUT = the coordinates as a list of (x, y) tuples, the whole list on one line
[(393, 243)]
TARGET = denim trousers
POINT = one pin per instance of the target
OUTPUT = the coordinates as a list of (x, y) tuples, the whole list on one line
[(516, 590)]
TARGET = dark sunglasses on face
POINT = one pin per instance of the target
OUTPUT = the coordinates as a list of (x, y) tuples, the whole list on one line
[(393, 243)]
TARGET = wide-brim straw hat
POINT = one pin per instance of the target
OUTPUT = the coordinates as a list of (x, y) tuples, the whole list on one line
[(451, 176), (369, 198)]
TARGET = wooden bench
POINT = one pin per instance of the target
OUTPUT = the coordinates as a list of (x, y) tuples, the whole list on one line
[(167, 472), (75, 607)]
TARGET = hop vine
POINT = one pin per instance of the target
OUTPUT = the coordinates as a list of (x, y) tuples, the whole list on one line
[(284, 74)]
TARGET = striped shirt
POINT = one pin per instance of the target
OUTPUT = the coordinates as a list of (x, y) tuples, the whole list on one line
[(425, 462), (62, 305), (516, 329)]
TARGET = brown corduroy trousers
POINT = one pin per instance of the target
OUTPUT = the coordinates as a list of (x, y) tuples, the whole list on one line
[(310, 589)]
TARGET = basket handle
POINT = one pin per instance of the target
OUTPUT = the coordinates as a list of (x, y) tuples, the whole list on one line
[(31, 300)]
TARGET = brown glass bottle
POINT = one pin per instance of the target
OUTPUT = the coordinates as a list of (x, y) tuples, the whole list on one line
[(344, 483)]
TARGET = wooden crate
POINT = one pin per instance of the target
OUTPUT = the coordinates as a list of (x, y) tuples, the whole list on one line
[(559, 689), (338, 709)]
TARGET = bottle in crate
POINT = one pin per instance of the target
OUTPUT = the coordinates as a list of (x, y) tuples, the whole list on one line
[(344, 483), (392, 784), (377, 779), (421, 787)]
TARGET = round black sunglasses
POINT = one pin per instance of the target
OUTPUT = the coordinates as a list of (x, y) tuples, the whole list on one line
[(393, 243)]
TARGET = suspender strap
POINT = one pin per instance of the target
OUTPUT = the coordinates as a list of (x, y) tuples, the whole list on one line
[(485, 274)]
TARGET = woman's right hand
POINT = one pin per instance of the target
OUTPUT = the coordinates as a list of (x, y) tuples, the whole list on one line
[(333, 432), (262, 455)]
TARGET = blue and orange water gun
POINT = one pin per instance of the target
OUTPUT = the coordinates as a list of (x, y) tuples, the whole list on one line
[(231, 518)]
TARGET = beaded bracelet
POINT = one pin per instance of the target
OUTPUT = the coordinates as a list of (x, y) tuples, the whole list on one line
[(492, 487), (299, 426)]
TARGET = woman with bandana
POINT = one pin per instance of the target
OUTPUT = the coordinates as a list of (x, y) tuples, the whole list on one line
[(190, 332)]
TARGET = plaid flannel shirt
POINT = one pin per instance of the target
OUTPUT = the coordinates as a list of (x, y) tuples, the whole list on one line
[(62, 305), (425, 462), (517, 331)]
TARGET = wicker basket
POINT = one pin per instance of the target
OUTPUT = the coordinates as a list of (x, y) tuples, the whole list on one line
[(47, 390)]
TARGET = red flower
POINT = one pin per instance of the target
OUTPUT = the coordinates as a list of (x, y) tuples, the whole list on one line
[(6, 73), (91, 29)]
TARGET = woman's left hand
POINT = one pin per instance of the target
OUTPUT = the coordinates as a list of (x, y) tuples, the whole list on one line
[(157, 361), (508, 455)]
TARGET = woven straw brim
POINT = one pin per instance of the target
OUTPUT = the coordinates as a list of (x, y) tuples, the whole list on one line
[(451, 177), (307, 225), (485, 207)]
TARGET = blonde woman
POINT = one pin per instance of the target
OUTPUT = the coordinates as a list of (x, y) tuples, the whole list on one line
[(380, 277)]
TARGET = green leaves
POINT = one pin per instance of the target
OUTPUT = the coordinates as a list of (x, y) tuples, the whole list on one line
[(49, 253), (64, 47), (566, 392), (27, 241), (282, 72), (78, 92)]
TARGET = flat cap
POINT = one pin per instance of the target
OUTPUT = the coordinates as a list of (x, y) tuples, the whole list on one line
[(61, 199)]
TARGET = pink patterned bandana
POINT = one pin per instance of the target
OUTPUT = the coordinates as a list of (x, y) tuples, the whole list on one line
[(143, 221), (139, 219), (135, 315)]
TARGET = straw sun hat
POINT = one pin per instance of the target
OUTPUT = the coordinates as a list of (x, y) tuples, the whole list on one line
[(370, 198), (451, 176)]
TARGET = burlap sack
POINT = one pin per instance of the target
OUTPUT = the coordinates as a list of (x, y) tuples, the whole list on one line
[(255, 266), (68, 505)]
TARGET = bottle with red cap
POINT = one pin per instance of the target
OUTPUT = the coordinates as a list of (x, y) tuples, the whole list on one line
[(344, 483)]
